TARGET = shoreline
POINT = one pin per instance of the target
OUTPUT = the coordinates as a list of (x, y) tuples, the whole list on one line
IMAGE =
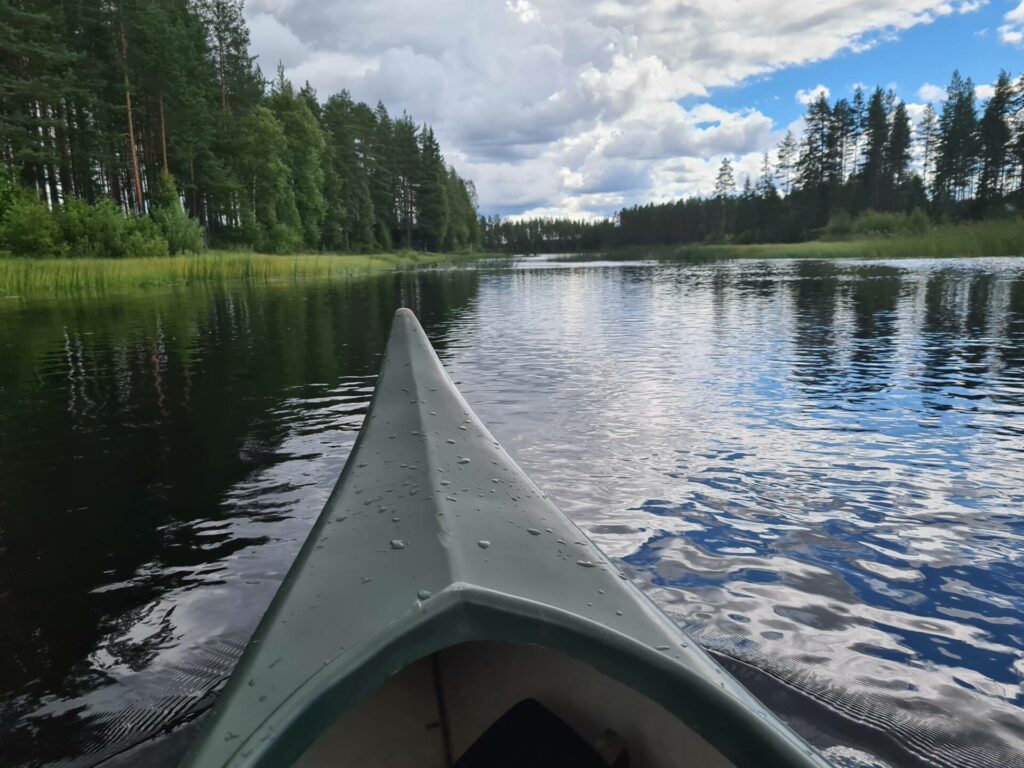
[(70, 277), (986, 238)]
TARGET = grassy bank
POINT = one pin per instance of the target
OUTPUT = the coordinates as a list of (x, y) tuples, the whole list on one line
[(55, 277), (986, 238)]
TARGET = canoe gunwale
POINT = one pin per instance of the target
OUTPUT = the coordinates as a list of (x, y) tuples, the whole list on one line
[(469, 613)]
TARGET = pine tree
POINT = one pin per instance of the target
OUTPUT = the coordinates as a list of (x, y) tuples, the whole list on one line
[(844, 121), (1016, 150), (766, 182), (786, 161), (725, 187), (382, 181), (858, 114), (928, 140), (818, 163), (897, 154), (725, 182), (958, 142), (876, 135), (304, 154), (406, 158), (431, 193), (238, 83), (995, 135)]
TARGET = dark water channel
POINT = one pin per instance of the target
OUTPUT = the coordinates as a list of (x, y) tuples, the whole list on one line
[(815, 467)]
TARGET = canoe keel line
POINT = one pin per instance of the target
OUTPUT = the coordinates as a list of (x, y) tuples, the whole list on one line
[(444, 612)]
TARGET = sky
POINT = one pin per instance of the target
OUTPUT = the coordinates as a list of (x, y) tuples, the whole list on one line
[(581, 107)]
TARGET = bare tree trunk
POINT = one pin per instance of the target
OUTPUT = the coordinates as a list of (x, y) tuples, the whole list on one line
[(65, 127), (140, 204), (51, 180), (163, 134), (220, 67)]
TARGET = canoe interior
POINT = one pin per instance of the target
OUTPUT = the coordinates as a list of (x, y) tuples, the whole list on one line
[(400, 725)]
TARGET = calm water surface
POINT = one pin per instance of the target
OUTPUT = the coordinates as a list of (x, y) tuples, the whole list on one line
[(815, 467)]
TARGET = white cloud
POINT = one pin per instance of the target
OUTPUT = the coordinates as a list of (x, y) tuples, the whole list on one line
[(970, 6), (915, 111), (931, 93), (1012, 32), (806, 97), (984, 91), (268, 6), (523, 10), (572, 104), (275, 42)]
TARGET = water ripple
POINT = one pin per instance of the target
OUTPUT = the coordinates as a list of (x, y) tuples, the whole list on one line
[(814, 467)]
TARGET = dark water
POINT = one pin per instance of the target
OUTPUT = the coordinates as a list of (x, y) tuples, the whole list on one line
[(816, 467)]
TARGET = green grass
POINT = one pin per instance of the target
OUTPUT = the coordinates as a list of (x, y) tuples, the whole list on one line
[(57, 277), (986, 238)]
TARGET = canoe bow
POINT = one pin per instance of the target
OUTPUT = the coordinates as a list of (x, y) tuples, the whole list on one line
[(433, 536)]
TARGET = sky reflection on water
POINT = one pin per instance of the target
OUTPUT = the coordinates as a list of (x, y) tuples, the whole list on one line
[(816, 467)]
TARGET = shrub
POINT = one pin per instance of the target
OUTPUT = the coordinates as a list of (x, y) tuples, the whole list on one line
[(93, 231), (104, 231), (878, 223), (27, 227), (384, 237), (283, 239), (918, 222), (145, 239), (9, 189), (840, 225), (183, 235)]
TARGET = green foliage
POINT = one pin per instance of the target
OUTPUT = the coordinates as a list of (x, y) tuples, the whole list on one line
[(9, 190), (302, 150), (269, 213), (93, 231), (431, 196), (99, 99), (104, 231), (889, 223), (27, 228), (183, 235), (986, 238), (840, 225), (872, 223)]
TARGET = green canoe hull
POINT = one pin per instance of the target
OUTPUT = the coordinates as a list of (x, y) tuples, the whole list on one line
[(434, 537)]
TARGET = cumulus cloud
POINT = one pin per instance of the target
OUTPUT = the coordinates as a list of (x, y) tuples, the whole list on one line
[(275, 42), (523, 10), (984, 91), (1012, 32), (931, 93), (970, 6), (806, 97), (573, 105)]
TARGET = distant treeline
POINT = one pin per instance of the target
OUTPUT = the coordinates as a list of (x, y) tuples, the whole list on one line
[(137, 105), (860, 167)]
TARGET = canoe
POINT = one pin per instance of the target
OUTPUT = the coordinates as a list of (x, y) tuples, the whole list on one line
[(443, 612)]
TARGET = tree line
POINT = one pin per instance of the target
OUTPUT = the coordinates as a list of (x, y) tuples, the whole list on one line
[(861, 165), (156, 111)]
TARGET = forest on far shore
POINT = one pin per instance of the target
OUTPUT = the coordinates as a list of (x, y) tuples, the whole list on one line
[(860, 168), (142, 127)]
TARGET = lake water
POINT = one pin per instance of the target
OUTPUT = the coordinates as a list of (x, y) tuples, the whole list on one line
[(817, 468)]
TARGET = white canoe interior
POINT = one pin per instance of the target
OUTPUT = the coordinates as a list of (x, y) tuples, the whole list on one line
[(466, 688)]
